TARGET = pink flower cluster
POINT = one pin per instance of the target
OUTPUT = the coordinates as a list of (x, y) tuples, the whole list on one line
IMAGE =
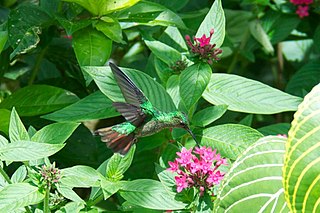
[(303, 8), (202, 48), (198, 168)]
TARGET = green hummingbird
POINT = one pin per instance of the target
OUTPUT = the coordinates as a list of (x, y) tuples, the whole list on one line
[(142, 119)]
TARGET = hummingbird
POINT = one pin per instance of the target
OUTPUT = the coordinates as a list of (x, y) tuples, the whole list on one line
[(142, 119)]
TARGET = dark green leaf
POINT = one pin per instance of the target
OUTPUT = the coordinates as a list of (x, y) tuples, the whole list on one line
[(39, 99), (169, 154), (275, 129), (73, 26), (111, 28), (4, 122), (208, 115), (261, 36), (3, 39), (92, 47), (94, 106), (104, 79), (214, 20), (55, 133), (164, 52), (193, 81), (117, 165)]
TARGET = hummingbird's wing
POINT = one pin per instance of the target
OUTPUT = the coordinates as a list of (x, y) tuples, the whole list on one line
[(132, 113), (132, 94)]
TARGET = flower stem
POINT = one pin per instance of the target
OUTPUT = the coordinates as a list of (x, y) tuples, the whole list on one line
[(46, 208)]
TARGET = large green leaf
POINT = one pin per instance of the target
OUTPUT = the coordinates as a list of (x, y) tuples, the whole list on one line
[(215, 19), (67, 192), (208, 115), (80, 176), (254, 182), (150, 194), (24, 35), (92, 47), (154, 91), (151, 14), (301, 166), (15, 196), (55, 133), (164, 52), (17, 131), (38, 99), (193, 82), (117, 165), (4, 120), (246, 95), (27, 150), (94, 106), (230, 139), (172, 88), (304, 79), (102, 7)]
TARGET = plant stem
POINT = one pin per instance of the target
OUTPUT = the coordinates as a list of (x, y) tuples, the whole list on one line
[(46, 208), (95, 200), (37, 65)]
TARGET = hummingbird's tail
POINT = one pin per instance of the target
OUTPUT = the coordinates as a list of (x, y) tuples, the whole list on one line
[(119, 143)]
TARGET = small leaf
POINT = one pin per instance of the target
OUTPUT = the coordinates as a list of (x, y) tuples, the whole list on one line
[(150, 194), (92, 47), (117, 165), (229, 139), (104, 79), (56, 133), (173, 89), (80, 176), (5, 120), (301, 165), (255, 179), (3, 141), (260, 35), (73, 26), (109, 188), (275, 129), (27, 150), (17, 131), (69, 193), (209, 115), (193, 81), (3, 39), (164, 52), (111, 28), (215, 19), (71, 207), (15, 196), (249, 96), (94, 106), (38, 99), (19, 175)]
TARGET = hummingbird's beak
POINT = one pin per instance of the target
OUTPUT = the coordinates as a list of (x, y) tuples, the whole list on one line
[(193, 136)]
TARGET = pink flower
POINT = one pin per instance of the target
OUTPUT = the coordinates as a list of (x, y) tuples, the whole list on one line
[(297, 2), (215, 177), (174, 166), (302, 11), (203, 40), (181, 183), (185, 156)]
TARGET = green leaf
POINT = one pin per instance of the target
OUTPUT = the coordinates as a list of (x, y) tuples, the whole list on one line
[(215, 19), (24, 35), (275, 129), (55, 133), (150, 194), (117, 165), (104, 79), (304, 79), (109, 188), (261, 36), (17, 131), (27, 150), (111, 28), (246, 95), (150, 14), (19, 175), (15, 196), (230, 140), (164, 52), (3, 39), (167, 179), (295, 51), (193, 81), (255, 180), (3, 141), (173, 89), (94, 106), (67, 192), (80, 176), (301, 165), (71, 207), (4, 123), (38, 99), (73, 26), (169, 154), (92, 47), (208, 115), (102, 7)]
